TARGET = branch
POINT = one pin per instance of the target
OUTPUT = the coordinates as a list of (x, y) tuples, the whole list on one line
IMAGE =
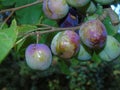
[(24, 6), (50, 30)]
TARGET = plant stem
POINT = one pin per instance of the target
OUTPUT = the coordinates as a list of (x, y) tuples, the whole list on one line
[(53, 29), (37, 37)]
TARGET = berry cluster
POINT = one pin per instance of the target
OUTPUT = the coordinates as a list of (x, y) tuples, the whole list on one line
[(91, 37)]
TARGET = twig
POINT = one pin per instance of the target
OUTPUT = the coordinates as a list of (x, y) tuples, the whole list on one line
[(24, 6), (34, 30), (53, 29), (37, 37), (20, 40)]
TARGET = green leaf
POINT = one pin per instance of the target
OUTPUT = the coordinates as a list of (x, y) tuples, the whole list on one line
[(7, 39), (117, 36), (43, 38), (111, 30), (7, 2), (29, 15), (23, 29), (18, 47), (96, 58), (49, 22), (74, 62), (99, 10), (64, 68)]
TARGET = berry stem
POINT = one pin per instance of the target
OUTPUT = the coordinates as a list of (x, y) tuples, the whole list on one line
[(38, 37)]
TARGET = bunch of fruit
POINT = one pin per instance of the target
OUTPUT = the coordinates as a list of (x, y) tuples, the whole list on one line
[(91, 37)]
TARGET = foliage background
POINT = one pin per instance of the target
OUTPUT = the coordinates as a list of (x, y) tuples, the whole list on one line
[(75, 75)]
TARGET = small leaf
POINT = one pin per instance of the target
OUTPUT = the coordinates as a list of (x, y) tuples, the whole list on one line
[(49, 22), (64, 68), (117, 36), (23, 29), (7, 39), (7, 2), (96, 58), (111, 30), (29, 15), (99, 10), (74, 62)]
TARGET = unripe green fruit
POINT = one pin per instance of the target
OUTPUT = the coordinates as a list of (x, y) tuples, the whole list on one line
[(93, 34), (111, 49), (104, 2), (78, 3), (83, 54), (92, 17), (38, 56), (55, 9), (88, 9), (91, 9), (65, 44)]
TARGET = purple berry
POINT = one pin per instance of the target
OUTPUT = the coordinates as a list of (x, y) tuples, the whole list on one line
[(93, 34), (38, 56), (55, 9), (65, 44)]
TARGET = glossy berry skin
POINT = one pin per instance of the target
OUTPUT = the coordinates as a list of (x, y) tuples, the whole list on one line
[(111, 49), (38, 56), (65, 44), (78, 3), (55, 9), (93, 34)]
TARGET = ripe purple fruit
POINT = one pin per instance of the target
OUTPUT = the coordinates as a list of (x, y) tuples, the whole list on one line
[(55, 9), (65, 44), (38, 56), (93, 34)]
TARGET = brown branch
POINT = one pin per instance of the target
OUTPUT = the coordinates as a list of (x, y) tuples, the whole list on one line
[(53, 29), (37, 37), (24, 6), (50, 29)]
